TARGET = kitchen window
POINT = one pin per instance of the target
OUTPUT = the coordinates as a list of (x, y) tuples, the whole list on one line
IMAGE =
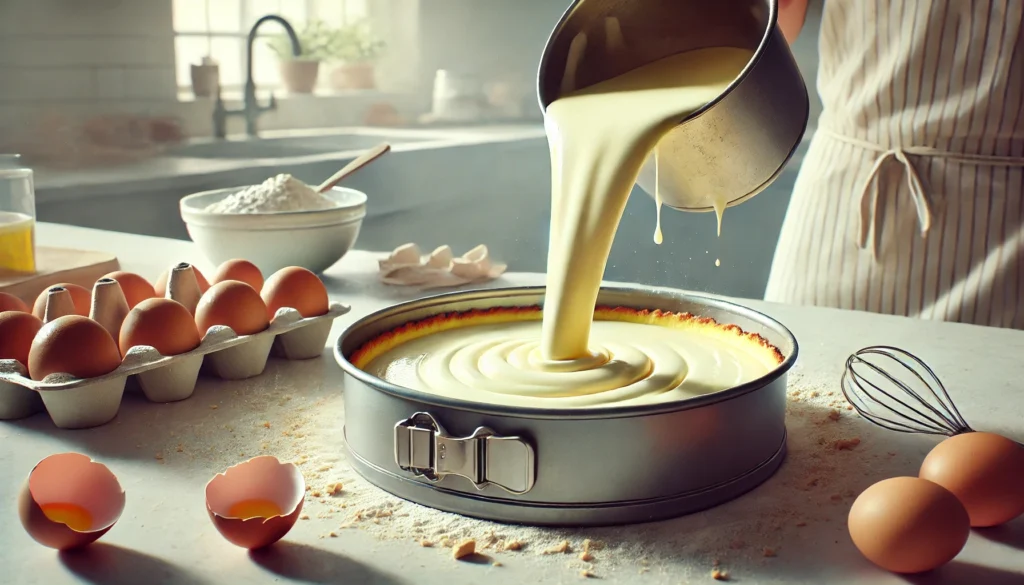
[(218, 28)]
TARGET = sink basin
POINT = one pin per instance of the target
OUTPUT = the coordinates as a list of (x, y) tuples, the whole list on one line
[(283, 147)]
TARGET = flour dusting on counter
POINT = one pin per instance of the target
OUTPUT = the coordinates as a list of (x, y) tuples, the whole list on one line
[(294, 411), (275, 195)]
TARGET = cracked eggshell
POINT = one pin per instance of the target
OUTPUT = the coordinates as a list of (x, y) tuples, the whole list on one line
[(255, 503), (69, 501)]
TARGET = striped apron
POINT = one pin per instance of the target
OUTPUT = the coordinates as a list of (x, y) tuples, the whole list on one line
[(909, 201)]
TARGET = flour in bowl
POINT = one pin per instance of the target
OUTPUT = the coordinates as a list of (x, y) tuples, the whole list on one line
[(277, 194)]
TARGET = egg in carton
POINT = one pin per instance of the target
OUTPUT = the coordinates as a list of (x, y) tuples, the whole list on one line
[(91, 395)]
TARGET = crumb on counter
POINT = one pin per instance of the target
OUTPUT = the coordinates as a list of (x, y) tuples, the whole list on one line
[(560, 548), (464, 549), (513, 545), (846, 444), (426, 543), (586, 557), (335, 488), (586, 574), (719, 575)]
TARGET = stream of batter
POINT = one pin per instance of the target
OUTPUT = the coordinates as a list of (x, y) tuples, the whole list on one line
[(599, 138)]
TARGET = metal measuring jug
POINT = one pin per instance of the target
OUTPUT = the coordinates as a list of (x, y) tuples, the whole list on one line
[(733, 147)]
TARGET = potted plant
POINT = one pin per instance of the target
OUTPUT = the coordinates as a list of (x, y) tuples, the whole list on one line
[(355, 49), (299, 74)]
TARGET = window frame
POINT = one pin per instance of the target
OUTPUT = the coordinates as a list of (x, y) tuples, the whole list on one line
[(246, 15)]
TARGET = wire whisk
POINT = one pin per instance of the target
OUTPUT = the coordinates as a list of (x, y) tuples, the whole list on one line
[(895, 390)]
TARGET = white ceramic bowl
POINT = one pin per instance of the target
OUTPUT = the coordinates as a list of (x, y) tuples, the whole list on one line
[(311, 239)]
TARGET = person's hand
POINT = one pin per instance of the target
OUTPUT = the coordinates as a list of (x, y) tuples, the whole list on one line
[(792, 14)]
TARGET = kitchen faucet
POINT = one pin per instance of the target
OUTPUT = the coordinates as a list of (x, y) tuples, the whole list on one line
[(251, 109)]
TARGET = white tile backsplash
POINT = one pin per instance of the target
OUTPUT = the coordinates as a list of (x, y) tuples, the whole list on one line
[(52, 84), (80, 58), (150, 18), (46, 51), (149, 83), (110, 83)]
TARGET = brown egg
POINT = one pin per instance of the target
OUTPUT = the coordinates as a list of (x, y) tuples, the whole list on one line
[(985, 471), (908, 525), (73, 345), (240, 270), (232, 304), (17, 330), (12, 303), (161, 283), (69, 501), (135, 288), (162, 324), (295, 288), (79, 295), (255, 503)]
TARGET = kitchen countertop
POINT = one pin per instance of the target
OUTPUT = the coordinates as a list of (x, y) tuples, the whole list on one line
[(183, 172), (789, 531)]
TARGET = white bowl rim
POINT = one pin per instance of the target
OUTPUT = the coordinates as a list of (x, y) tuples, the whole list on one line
[(186, 203)]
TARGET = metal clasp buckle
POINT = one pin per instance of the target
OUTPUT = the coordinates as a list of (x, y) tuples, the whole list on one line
[(423, 447)]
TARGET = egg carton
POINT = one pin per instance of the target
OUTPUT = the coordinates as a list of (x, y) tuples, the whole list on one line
[(74, 403)]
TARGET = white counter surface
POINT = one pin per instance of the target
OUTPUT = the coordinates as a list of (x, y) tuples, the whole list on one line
[(164, 455)]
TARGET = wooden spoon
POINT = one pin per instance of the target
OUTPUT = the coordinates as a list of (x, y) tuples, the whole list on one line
[(364, 159)]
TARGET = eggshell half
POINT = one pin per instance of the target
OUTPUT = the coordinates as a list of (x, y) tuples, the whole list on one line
[(70, 480), (261, 479)]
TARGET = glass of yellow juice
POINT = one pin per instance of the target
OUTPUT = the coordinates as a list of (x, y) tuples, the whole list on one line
[(17, 217)]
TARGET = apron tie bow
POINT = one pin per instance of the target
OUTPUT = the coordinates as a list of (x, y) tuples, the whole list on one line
[(869, 216)]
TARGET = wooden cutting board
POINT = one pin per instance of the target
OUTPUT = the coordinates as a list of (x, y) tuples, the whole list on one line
[(56, 266)]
